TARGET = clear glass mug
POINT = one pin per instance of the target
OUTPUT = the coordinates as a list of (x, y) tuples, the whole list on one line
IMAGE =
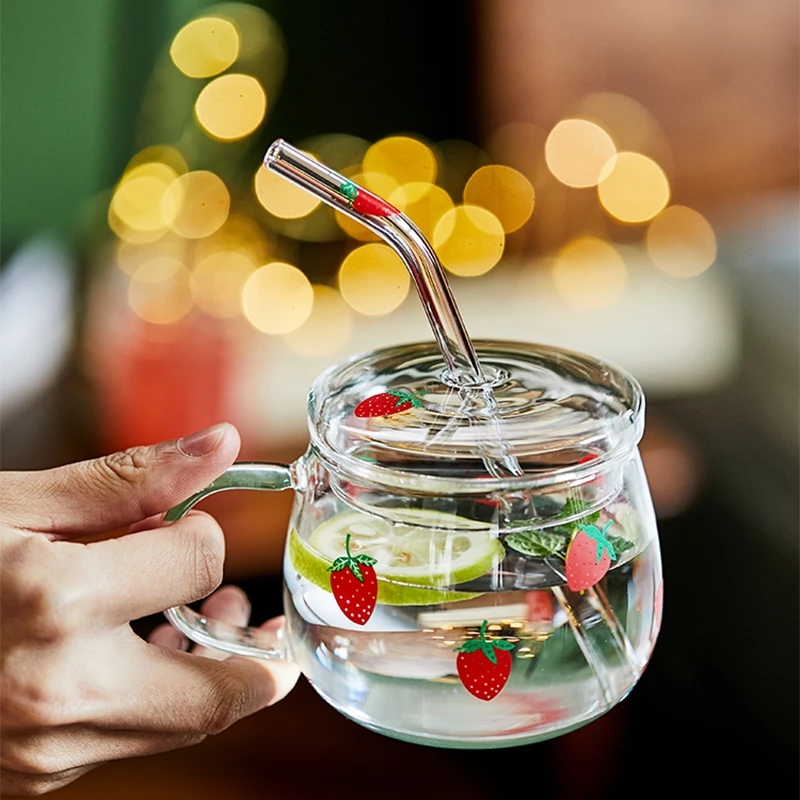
[(464, 567)]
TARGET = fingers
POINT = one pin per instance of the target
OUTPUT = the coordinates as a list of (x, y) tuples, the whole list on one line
[(228, 604), (116, 490), (180, 693), (144, 573), (167, 636)]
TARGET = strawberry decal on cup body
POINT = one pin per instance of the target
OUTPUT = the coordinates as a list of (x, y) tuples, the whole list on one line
[(386, 403), (354, 584), (589, 557), (484, 665)]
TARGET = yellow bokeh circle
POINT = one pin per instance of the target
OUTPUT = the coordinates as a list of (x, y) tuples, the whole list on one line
[(205, 47), (589, 273), (504, 191), (160, 290), (633, 188), (218, 280), (373, 280), (402, 158), (281, 198), (277, 298), (681, 242), (423, 203), (576, 151), (469, 240), (159, 153), (327, 330), (138, 198), (196, 204), (231, 107)]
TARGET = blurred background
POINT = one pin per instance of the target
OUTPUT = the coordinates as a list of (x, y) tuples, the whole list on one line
[(617, 178)]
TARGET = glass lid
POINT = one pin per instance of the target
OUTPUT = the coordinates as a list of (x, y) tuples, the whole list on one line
[(541, 410)]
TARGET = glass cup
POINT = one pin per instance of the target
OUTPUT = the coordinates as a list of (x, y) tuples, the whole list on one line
[(464, 566)]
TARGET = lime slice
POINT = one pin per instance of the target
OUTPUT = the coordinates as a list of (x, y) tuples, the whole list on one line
[(415, 559)]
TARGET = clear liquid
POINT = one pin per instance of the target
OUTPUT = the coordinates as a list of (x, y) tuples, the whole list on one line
[(575, 656)]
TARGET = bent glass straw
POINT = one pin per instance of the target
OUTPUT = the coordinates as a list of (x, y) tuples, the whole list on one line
[(403, 236)]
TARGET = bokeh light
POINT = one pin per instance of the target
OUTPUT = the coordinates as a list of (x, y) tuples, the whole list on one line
[(469, 240), (129, 256), (160, 290), (281, 198), (163, 153), (632, 126), (240, 233), (218, 281), (231, 107), (681, 242), (137, 200), (196, 204), (576, 152), (373, 280), (402, 158), (589, 274), (205, 47), (423, 203), (504, 191), (277, 298), (633, 188), (328, 328)]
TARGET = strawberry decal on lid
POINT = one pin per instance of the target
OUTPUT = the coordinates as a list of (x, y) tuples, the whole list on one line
[(354, 584), (484, 665), (386, 404), (589, 557)]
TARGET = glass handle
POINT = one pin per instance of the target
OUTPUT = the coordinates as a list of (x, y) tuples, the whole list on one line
[(240, 640)]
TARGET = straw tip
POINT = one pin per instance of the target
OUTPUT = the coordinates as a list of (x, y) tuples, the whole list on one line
[(273, 151)]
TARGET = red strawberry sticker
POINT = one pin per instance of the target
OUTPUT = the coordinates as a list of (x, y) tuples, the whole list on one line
[(354, 584), (484, 665), (386, 403), (589, 557)]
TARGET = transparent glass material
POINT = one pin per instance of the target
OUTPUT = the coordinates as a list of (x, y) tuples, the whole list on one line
[(465, 567)]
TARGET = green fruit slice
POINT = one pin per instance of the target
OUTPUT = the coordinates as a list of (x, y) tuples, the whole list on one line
[(415, 559)]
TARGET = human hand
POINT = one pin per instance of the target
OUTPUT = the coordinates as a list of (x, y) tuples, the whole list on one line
[(78, 687)]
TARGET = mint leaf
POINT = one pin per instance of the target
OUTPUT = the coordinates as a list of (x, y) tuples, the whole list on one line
[(574, 507), (539, 544), (619, 544)]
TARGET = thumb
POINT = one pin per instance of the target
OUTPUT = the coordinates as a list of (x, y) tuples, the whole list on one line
[(118, 489)]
